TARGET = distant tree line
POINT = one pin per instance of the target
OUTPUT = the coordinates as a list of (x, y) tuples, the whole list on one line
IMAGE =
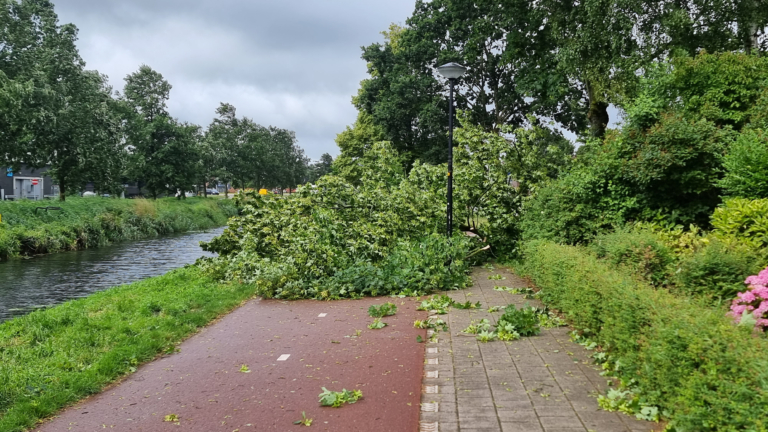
[(54, 112)]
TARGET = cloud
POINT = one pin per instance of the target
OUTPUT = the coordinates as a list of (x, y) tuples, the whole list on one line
[(294, 64)]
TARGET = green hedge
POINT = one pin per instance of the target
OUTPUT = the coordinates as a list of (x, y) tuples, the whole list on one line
[(52, 358), (89, 222), (685, 357)]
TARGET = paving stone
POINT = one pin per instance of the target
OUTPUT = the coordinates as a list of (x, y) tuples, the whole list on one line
[(518, 416), (521, 427), (498, 386), (560, 422), (480, 424), (471, 403)]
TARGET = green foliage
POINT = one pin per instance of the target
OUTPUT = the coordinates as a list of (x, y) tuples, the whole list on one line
[(93, 341), (55, 113), (721, 88), (684, 357), (486, 336), (583, 202), (476, 327), (717, 270), (548, 319), (438, 303), (641, 251), (338, 240), (743, 220), (380, 311), (524, 321), (377, 324), (680, 241), (89, 222), (495, 170), (304, 420), (247, 153), (431, 323), (466, 305), (746, 166), (629, 403), (507, 332), (668, 157), (336, 399)]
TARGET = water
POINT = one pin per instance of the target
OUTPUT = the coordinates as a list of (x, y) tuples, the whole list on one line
[(28, 284)]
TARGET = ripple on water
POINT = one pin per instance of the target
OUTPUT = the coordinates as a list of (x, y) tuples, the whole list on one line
[(28, 284)]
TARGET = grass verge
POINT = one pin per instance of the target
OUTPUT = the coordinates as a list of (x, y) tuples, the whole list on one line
[(89, 222), (680, 354), (52, 358)]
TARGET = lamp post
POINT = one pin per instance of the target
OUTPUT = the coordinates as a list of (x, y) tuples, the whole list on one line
[(451, 71)]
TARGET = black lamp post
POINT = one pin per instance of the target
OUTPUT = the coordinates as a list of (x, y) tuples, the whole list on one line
[(451, 71)]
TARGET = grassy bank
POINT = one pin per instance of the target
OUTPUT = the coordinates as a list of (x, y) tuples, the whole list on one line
[(55, 357), (89, 222), (679, 354)]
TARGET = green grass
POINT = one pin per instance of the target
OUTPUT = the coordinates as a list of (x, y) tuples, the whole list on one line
[(90, 222), (52, 358)]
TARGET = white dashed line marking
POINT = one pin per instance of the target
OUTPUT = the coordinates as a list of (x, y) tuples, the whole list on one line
[(283, 357)]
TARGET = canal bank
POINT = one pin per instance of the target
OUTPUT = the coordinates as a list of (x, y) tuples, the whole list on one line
[(31, 227), (47, 280), (54, 357)]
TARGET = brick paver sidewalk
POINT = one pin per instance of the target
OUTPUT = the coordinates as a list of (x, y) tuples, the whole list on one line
[(541, 383)]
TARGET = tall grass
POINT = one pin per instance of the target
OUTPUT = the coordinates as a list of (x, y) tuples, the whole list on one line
[(52, 358), (89, 222)]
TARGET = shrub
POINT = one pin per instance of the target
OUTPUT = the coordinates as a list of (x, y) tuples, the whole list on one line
[(746, 166), (681, 242), (641, 251), (581, 203), (742, 220), (686, 358), (716, 270)]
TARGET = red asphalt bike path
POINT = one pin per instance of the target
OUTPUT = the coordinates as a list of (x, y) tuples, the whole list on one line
[(203, 384)]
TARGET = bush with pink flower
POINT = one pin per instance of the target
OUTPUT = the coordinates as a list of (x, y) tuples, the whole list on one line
[(751, 307)]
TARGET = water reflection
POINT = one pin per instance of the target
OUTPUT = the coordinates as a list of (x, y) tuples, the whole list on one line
[(27, 284)]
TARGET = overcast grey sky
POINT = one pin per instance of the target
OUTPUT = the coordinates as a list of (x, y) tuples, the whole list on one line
[(294, 64)]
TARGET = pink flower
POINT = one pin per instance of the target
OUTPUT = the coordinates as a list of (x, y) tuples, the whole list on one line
[(748, 297), (754, 300), (760, 279)]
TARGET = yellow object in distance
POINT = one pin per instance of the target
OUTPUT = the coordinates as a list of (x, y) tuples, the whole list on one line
[(262, 191)]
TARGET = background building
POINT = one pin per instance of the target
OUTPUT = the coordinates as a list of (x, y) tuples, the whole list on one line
[(26, 183)]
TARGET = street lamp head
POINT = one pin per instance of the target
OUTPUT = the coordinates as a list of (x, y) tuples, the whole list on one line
[(452, 70)]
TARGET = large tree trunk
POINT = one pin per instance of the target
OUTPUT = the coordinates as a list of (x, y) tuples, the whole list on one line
[(62, 191), (598, 113)]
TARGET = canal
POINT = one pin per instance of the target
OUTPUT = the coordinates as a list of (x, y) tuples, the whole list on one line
[(29, 284)]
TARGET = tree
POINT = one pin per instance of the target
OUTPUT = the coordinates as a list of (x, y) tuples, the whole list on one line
[(496, 171), (85, 143), (320, 168), (404, 99), (56, 113), (248, 153), (667, 160), (161, 149)]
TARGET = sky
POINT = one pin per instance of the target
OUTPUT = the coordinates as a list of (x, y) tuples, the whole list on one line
[(294, 64)]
